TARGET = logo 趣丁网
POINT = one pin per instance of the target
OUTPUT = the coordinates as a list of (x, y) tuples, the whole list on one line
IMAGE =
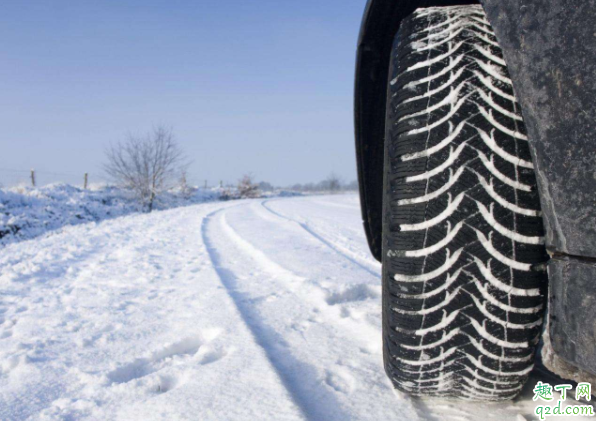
[(545, 392)]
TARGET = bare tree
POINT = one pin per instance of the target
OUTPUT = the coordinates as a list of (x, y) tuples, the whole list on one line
[(266, 186), (247, 187), (147, 165), (185, 189), (333, 182)]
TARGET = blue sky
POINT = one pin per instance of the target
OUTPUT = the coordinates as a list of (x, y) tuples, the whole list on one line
[(261, 86)]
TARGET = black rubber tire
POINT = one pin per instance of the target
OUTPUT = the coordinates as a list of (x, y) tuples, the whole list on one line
[(463, 256)]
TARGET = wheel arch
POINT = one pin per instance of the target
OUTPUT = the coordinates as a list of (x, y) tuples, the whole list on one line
[(379, 25)]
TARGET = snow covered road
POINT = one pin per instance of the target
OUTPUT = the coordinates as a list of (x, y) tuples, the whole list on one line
[(263, 309)]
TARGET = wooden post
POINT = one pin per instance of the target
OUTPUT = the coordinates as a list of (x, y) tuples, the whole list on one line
[(86, 179), (33, 177), (220, 184), (205, 184)]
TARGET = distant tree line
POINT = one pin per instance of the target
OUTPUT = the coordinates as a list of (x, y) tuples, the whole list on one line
[(332, 183), (248, 187)]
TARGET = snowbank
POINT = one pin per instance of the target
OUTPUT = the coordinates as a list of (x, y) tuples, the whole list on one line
[(27, 212)]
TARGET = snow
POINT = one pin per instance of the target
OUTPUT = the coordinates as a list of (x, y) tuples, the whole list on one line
[(26, 212), (265, 309)]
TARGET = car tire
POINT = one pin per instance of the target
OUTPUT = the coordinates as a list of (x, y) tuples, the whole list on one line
[(463, 250)]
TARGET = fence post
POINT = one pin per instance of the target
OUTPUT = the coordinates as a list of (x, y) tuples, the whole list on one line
[(86, 179), (33, 177)]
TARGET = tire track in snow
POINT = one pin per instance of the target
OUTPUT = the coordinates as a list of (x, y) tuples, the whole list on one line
[(347, 254), (340, 338), (331, 298), (290, 370)]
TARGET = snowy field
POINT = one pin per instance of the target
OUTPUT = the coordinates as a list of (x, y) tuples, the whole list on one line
[(264, 309)]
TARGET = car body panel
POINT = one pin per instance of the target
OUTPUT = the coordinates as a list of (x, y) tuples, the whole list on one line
[(550, 50)]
